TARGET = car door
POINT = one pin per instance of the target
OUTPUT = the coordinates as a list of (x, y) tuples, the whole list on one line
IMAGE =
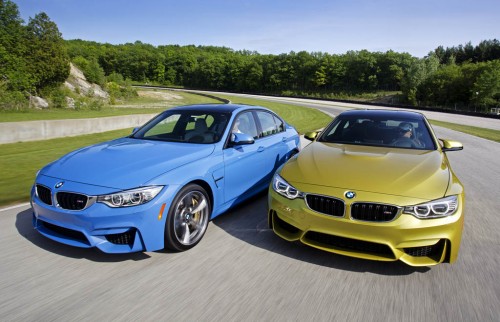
[(273, 138), (245, 165)]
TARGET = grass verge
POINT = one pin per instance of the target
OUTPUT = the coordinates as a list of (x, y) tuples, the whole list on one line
[(19, 162), (488, 134)]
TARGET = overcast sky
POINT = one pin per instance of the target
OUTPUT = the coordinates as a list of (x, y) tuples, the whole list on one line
[(277, 26)]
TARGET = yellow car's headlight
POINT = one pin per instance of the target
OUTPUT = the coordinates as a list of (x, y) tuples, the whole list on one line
[(285, 189), (434, 209)]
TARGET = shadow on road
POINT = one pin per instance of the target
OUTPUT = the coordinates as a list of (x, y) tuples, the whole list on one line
[(248, 222), (25, 228)]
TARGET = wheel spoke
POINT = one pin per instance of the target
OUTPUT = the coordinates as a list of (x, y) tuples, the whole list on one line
[(186, 237), (196, 226), (187, 201), (200, 206)]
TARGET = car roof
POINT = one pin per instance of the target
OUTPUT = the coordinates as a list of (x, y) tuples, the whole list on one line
[(384, 114), (225, 108)]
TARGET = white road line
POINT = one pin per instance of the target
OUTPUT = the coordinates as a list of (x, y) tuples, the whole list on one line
[(14, 207)]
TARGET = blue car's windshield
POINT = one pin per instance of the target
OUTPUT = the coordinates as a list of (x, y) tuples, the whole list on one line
[(379, 131), (185, 126)]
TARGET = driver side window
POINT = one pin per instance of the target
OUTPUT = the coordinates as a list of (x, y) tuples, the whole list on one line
[(245, 123)]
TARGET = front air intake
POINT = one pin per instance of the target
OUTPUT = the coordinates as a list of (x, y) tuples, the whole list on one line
[(126, 238), (44, 194), (373, 212), (71, 201), (325, 205), (349, 244), (433, 251)]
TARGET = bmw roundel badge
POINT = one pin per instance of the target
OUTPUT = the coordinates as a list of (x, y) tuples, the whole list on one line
[(350, 194), (59, 185)]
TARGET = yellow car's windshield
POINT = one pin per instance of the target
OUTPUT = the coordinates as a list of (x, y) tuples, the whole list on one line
[(390, 130)]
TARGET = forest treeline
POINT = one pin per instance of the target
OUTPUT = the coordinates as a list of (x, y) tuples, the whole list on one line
[(35, 60)]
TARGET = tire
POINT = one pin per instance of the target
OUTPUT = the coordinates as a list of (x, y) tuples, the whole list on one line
[(185, 227)]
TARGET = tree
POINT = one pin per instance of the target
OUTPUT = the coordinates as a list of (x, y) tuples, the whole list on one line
[(47, 59), (13, 73), (11, 29), (486, 89), (251, 76), (362, 70), (418, 71), (391, 67), (486, 50)]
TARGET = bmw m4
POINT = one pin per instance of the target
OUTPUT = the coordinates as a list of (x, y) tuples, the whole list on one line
[(374, 184)]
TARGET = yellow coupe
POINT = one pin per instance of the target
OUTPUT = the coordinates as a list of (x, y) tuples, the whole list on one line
[(374, 184)]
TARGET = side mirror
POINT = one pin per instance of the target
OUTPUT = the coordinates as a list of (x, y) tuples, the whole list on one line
[(241, 139), (311, 136), (449, 145)]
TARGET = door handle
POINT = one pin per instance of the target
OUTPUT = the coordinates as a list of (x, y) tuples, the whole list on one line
[(260, 149), (284, 139)]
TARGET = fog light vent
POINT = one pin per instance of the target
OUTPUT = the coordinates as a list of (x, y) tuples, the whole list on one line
[(426, 251), (126, 238)]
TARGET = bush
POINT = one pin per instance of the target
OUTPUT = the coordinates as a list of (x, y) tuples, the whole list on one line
[(57, 96), (118, 92), (115, 78), (58, 99), (91, 69), (12, 100), (88, 103)]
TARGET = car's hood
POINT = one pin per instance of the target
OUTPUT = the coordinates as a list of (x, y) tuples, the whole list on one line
[(125, 163), (403, 172)]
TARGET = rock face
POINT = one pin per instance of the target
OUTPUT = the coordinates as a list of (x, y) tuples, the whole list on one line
[(77, 83), (38, 102)]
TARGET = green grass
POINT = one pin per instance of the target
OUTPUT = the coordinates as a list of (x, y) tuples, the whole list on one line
[(19, 162), (488, 134)]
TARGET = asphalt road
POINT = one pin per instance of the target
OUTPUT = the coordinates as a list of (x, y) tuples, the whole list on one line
[(241, 271)]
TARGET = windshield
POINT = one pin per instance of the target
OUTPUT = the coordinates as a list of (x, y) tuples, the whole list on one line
[(379, 131), (185, 126)]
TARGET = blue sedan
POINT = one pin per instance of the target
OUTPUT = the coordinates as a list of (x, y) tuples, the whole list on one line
[(159, 187)]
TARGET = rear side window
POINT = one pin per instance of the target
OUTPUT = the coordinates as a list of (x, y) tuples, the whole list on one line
[(269, 123)]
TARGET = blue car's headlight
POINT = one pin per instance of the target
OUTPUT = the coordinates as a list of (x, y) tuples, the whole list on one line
[(434, 209), (130, 198), (285, 189)]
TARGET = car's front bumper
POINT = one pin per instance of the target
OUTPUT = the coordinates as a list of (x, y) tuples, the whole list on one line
[(112, 230), (414, 241)]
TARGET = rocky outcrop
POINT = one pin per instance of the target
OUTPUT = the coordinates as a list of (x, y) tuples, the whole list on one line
[(38, 102), (77, 83)]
